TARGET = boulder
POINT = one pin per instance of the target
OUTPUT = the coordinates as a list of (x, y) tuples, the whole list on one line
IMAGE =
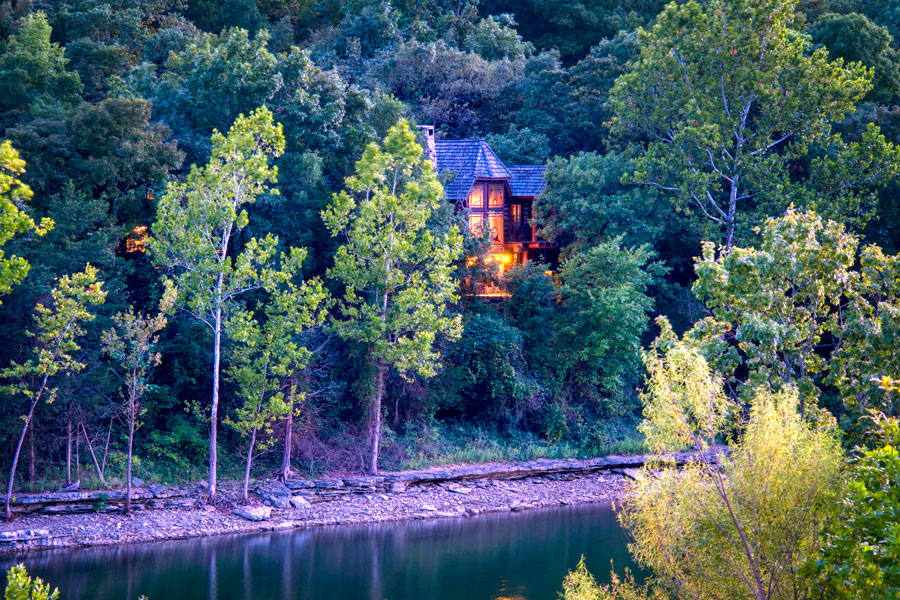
[(137, 482), (254, 513), (298, 502), (158, 491), (275, 494)]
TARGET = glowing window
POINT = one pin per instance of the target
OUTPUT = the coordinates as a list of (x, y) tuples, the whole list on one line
[(515, 214), (496, 224), (476, 223), (495, 196), (476, 198)]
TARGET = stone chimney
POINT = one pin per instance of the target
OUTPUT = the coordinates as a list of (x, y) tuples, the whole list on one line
[(430, 150)]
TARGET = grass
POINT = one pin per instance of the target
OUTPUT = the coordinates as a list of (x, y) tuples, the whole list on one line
[(441, 445)]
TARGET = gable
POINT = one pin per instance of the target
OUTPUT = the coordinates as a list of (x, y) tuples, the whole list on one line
[(469, 160)]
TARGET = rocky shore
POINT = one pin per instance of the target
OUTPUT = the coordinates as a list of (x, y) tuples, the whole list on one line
[(465, 491)]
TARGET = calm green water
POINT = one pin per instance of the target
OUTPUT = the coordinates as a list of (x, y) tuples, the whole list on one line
[(514, 556)]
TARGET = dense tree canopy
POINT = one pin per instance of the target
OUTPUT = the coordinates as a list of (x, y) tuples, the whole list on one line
[(733, 166)]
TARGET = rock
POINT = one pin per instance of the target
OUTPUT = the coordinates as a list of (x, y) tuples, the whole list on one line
[(72, 487), (158, 491), (428, 507), (275, 488), (632, 474), (282, 502), (137, 482), (254, 513), (329, 484), (299, 502), (456, 488), (397, 486), (274, 494), (299, 484)]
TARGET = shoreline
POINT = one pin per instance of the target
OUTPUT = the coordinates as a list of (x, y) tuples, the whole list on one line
[(457, 498)]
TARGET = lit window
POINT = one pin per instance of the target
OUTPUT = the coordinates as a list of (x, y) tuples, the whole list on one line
[(515, 214), (496, 224), (495, 196), (476, 223), (476, 198), (137, 239)]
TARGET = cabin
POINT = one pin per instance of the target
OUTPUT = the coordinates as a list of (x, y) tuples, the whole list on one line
[(495, 195)]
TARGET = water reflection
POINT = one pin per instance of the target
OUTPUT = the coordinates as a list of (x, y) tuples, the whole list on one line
[(520, 556)]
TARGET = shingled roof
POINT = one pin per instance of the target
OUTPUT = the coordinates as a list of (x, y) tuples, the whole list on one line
[(469, 160), (527, 180)]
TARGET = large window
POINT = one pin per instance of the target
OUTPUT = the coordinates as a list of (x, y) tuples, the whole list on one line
[(496, 223), (486, 210), (495, 196), (476, 198)]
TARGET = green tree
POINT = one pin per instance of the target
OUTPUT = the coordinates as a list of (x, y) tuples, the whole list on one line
[(855, 38), (268, 356), (20, 586), (14, 195), (56, 331), (132, 343), (860, 557), (603, 312), (33, 76), (738, 524), (868, 348), (781, 298), (730, 99), (396, 272), (196, 229)]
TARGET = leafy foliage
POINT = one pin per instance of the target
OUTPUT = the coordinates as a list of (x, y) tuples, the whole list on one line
[(13, 218), (729, 98), (20, 586), (742, 524), (396, 272), (862, 547)]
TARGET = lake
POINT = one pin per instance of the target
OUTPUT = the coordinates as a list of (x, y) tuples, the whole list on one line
[(521, 556)]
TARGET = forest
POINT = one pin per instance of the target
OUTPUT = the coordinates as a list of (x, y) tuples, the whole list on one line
[(225, 254)]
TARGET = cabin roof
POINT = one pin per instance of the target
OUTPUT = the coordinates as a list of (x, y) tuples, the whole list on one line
[(470, 160), (527, 180)]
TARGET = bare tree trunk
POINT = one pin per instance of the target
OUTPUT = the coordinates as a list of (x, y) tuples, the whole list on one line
[(69, 448), (249, 463), (214, 413), (106, 447), (77, 456), (131, 417), (32, 460), (288, 430), (378, 392), (93, 456), (15, 463)]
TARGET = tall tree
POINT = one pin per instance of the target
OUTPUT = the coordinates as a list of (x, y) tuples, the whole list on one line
[(132, 344), (396, 272), (731, 101), (55, 333), (781, 298), (196, 229), (269, 354), (13, 219), (736, 525), (33, 75)]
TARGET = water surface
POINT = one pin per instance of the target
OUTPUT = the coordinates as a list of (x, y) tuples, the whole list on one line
[(521, 556)]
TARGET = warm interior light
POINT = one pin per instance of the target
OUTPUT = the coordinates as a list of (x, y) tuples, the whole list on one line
[(137, 239)]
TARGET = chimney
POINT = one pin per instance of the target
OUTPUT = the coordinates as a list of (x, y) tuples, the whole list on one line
[(430, 150)]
